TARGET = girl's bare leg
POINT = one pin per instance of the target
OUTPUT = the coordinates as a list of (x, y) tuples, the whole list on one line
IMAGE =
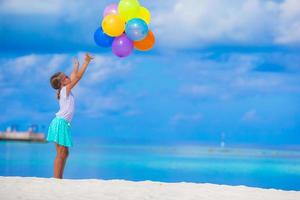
[(62, 153)]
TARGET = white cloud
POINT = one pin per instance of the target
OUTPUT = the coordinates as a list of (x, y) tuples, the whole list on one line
[(199, 22), (180, 24), (21, 64), (234, 75), (183, 118), (7, 91), (19, 110), (39, 67), (31, 68), (31, 6), (103, 68), (197, 90), (258, 82), (248, 84), (132, 112), (249, 115), (94, 104), (32, 73), (288, 30)]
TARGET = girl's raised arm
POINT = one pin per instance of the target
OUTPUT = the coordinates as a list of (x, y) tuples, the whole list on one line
[(76, 75)]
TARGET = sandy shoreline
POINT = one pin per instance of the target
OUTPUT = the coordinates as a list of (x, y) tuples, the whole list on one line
[(49, 188)]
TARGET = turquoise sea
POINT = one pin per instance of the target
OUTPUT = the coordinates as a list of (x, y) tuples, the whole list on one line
[(279, 169)]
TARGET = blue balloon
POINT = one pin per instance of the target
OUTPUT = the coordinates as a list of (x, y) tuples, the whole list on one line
[(102, 39), (136, 29)]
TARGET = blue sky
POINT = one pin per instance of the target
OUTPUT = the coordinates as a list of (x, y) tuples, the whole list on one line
[(217, 66)]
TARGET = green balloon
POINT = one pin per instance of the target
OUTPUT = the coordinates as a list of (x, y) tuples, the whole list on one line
[(129, 9)]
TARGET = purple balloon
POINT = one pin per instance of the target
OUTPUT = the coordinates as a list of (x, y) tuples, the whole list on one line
[(110, 9), (122, 46)]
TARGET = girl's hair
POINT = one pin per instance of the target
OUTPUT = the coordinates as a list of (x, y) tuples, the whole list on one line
[(55, 82)]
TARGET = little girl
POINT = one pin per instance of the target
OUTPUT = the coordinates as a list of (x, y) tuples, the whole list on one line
[(59, 129)]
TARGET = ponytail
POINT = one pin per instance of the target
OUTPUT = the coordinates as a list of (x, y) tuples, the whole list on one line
[(58, 93), (55, 82)]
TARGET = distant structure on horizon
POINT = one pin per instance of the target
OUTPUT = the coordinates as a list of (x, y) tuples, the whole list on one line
[(31, 135), (222, 143)]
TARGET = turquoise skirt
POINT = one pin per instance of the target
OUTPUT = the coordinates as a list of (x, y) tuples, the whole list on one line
[(59, 132)]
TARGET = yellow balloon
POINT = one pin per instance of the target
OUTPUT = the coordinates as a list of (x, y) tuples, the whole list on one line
[(129, 9), (144, 14), (113, 25)]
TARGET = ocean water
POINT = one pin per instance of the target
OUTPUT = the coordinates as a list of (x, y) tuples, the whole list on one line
[(279, 169)]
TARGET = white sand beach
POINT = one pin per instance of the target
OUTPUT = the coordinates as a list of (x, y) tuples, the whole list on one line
[(32, 188)]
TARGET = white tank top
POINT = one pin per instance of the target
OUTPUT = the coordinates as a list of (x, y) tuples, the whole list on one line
[(66, 105)]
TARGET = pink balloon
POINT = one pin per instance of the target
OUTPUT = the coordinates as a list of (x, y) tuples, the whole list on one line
[(110, 9), (122, 46)]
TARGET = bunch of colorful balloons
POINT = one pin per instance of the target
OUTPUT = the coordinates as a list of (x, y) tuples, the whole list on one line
[(125, 27)]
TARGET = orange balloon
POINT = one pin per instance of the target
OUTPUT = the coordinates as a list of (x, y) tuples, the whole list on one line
[(145, 44)]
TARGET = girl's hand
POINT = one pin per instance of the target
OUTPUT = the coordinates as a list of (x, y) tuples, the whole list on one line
[(75, 65), (88, 57), (76, 75), (75, 69)]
